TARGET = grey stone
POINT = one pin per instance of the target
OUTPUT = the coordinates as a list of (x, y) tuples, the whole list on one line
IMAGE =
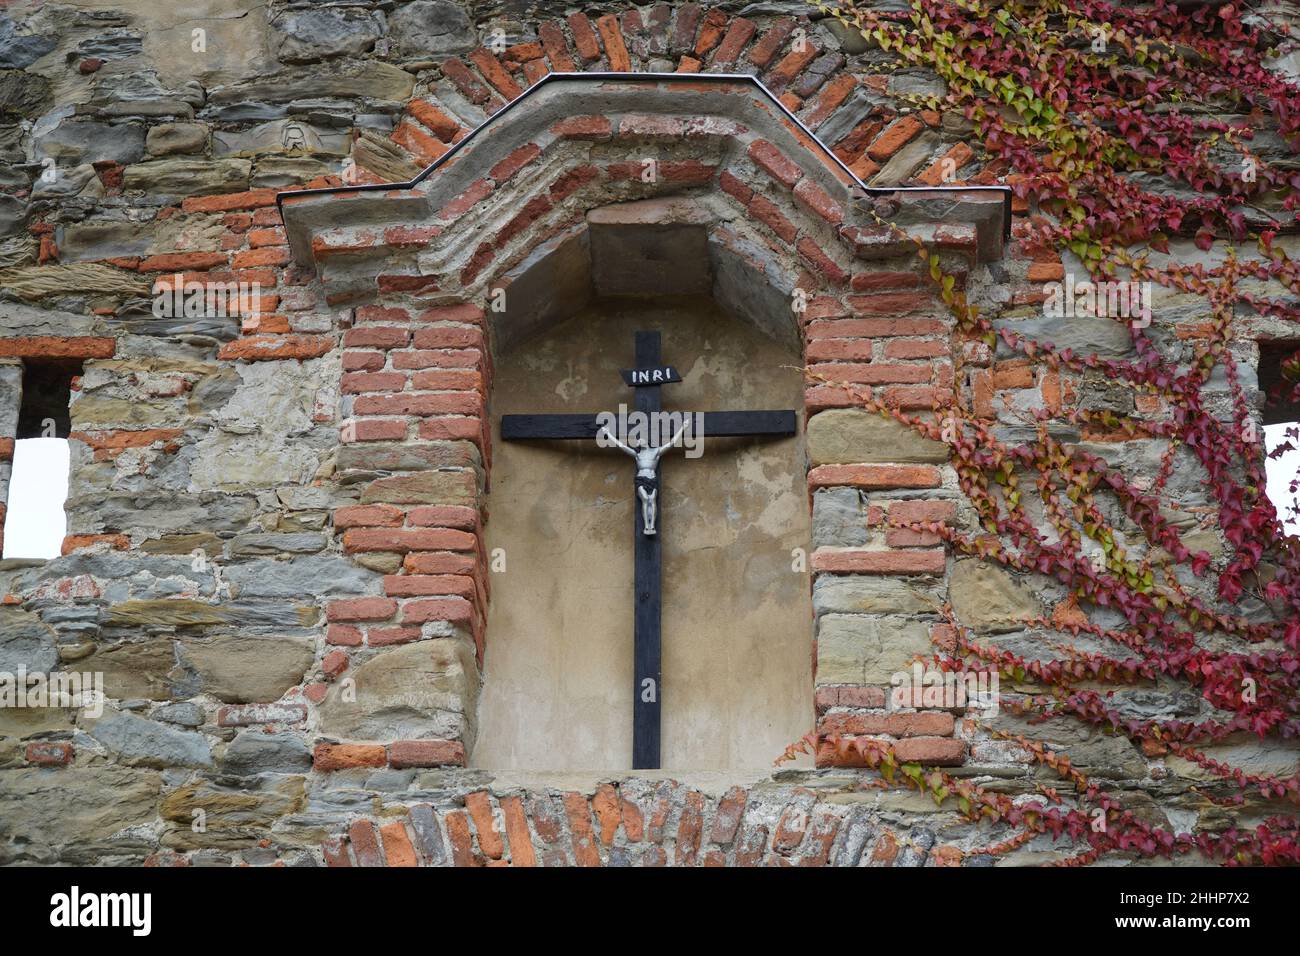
[(186, 714), (26, 641), (424, 690), (305, 36), (20, 50), (24, 94), (852, 435), (321, 575), (146, 743), (344, 79), (13, 215), (67, 182), (986, 598), (431, 28), (277, 172), (167, 138), (248, 670), (907, 160), (428, 835), (254, 752), (1085, 335), (290, 136), (839, 518), (188, 177), (104, 239), (234, 817), (256, 544), (167, 512), (850, 40), (863, 594), (77, 142), (75, 804), (113, 44), (137, 669), (856, 649)]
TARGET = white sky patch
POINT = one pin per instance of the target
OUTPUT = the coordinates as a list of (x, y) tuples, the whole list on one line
[(1281, 471), (34, 522)]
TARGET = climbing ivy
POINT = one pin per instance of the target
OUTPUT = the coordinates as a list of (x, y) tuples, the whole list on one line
[(1082, 105)]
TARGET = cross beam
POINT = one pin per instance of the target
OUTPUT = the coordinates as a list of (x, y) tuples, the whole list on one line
[(647, 378)]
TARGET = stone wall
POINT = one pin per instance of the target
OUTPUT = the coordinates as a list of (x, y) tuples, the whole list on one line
[(275, 552)]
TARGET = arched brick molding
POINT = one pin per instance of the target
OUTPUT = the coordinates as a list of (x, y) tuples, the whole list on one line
[(415, 267)]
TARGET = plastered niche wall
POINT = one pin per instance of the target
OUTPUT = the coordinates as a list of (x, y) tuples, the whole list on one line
[(737, 631)]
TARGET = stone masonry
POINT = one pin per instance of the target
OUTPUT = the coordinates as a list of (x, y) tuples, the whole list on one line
[(274, 551)]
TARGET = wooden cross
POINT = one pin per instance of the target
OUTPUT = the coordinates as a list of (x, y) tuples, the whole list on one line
[(646, 378)]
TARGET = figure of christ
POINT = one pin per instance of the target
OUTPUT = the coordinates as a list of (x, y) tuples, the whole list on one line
[(647, 472)]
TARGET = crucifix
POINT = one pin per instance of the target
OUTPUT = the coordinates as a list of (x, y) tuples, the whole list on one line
[(646, 378)]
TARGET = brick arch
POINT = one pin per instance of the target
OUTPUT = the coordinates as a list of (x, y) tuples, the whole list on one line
[(412, 268)]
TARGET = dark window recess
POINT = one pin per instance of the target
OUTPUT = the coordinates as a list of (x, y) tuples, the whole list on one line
[(47, 391), (1278, 407)]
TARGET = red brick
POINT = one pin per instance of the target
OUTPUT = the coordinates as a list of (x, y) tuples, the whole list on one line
[(892, 303), (583, 127), (774, 162), (334, 663), (426, 753), (361, 609), (832, 95), (608, 810), (922, 724), (365, 844), (419, 143), (731, 808), (182, 261), (876, 373), (767, 212), (688, 19), (462, 840), (49, 753), (898, 135), (878, 562), (403, 540), (517, 160), (790, 66), (374, 429), (439, 609), (448, 337), (422, 403), (346, 756), (960, 154), (556, 47), (455, 379), (260, 348), (253, 258), (335, 852), (343, 635), (823, 350), (853, 328), (824, 264), (440, 562), (258, 238), (355, 383), (57, 347), (689, 829), (479, 805), (387, 636), (252, 199), (770, 43), (914, 349), (570, 181), (813, 197), (450, 358), (475, 193), (397, 845), (451, 429), (415, 585), (584, 38), (464, 312), (579, 814), (710, 32), (739, 33), (1046, 272), (442, 125), (465, 81), (517, 835), (874, 476), (734, 187), (77, 542), (615, 48), (931, 751), (379, 336)]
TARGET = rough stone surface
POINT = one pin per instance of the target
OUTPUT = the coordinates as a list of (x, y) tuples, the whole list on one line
[(986, 598), (843, 435)]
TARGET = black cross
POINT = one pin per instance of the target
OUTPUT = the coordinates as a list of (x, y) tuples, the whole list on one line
[(649, 374)]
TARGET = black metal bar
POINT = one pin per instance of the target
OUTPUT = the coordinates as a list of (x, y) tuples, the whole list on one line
[(716, 425), (647, 689)]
